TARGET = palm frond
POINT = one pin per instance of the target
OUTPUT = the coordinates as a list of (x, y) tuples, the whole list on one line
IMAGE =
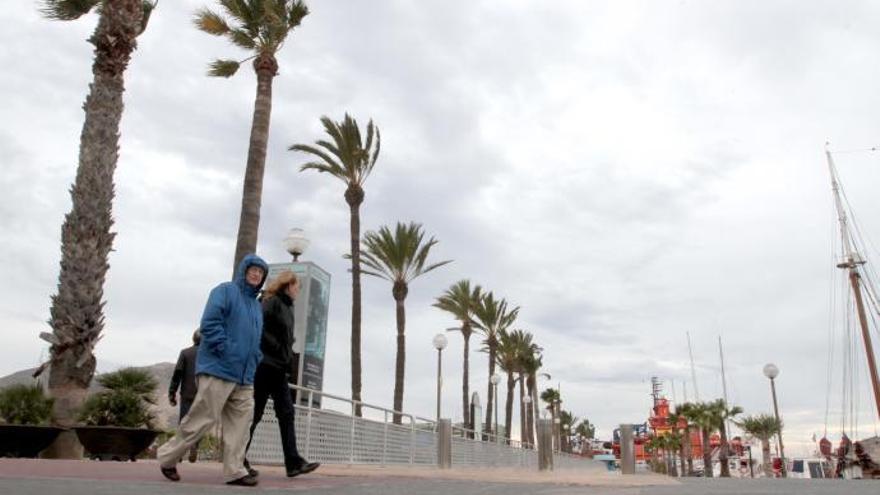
[(346, 154), (296, 13), (242, 39), (148, 6), (67, 10), (223, 68), (399, 255), (211, 22)]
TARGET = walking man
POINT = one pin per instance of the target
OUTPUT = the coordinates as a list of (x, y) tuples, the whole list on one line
[(226, 361), (184, 378)]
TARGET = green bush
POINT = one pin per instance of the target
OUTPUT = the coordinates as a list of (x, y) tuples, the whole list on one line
[(25, 405), (125, 402)]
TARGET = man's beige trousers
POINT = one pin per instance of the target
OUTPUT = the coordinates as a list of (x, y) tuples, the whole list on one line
[(216, 400)]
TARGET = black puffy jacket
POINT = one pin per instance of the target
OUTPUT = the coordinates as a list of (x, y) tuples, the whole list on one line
[(277, 340)]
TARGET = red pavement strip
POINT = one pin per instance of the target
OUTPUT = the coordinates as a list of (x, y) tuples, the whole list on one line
[(200, 473)]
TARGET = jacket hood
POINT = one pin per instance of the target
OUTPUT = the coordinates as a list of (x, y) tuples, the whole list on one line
[(247, 262)]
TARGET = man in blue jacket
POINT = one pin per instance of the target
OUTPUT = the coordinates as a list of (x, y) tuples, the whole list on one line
[(227, 359)]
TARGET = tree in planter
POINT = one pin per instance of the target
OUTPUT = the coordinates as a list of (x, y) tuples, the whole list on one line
[(77, 311), (125, 402), (25, 405)]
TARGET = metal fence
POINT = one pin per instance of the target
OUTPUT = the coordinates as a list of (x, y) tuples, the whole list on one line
[(334, 435)]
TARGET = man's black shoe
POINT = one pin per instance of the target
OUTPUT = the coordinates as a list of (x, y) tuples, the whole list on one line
[(304, 469), (244, 481), (251, 471), (170, 473)]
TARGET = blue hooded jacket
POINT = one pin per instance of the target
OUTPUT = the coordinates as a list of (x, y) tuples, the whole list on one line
[(232, 325)]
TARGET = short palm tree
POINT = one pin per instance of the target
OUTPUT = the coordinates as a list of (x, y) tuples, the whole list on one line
[(491, 317), (763, 427), (399, 257), (350, 157), (77, 311), (552, 398), (723, 412), (585, 431), (702, 416), (461, 300), (567, 421), (675, 418), (259, 27)]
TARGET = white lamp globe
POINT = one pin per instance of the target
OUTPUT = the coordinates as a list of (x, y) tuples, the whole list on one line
[(771, 371), (440, 342)]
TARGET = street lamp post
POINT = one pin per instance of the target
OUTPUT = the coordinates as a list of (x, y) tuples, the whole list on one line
[(296, 243), (439, 344), (495, 379), (771, 372)]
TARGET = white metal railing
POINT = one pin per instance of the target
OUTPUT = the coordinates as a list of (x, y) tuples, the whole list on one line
[(334, 435)]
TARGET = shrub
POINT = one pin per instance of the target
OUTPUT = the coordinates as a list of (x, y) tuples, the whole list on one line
[(25, 405), (124, 402)]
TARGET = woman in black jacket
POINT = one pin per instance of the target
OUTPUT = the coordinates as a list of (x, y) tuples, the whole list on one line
[(271, 378)]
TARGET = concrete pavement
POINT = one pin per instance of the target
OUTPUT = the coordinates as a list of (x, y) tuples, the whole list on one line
[(49, 477)]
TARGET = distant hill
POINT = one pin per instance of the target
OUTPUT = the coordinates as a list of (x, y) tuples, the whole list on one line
[(166, 414)]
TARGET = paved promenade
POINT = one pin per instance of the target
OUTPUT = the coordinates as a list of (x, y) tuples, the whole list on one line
[(50, 477)]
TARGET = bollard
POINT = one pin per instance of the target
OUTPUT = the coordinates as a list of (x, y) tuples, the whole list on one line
[(545, 445), (627, 450), (444, 443)]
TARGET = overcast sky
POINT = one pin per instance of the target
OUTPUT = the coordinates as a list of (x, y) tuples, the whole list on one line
[(625, 172)]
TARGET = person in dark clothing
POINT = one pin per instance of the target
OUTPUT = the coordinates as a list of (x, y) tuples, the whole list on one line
[(271, 378), (184, 377)]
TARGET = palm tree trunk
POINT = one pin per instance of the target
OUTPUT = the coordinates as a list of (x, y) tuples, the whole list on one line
[(491, 391), (464, 379), (681, 454), (76, 313), (688, 448), (535, 410), (766, 460), (707, 455), (530, 410), (354, 196), (399, 292), (266, 68), (722, 456), (508, 405), (522, 409)]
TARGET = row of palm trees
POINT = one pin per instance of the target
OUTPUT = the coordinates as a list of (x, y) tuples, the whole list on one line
[(709, 417)]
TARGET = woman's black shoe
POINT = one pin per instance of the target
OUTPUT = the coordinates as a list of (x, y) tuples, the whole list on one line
[(304, 469), (244, 481)]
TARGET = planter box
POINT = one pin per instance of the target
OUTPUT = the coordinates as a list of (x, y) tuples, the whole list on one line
[(114, 443), (26, 440)]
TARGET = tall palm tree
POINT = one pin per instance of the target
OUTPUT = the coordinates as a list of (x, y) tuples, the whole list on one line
[(350, 158), (399, 257), (722, 412), (531, 363), (491, 317), (507, 358), (763, 427), (461, 300), (77, 311), (259, 27)]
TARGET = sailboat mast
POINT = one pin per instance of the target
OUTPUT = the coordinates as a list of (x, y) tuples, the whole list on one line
[(693, 369), (723, 380), (851, 262)]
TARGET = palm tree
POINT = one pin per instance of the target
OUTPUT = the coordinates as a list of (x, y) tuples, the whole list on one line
[(531, 363), (77, 311), (702, 416), (675, 417), (492, 317), (567, 421), (510, 344), (553, 399), (763, 427), (399, 257), (260, 27), (350, 159), (722, 412), (585, 431), (460, 300), (686, 411)]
